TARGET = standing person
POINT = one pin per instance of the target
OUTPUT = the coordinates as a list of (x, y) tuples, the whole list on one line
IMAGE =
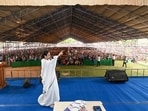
[(50, 92), (98, 60), (113, 60), (124, 61)]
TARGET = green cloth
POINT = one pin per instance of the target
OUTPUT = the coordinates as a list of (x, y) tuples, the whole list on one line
[(88, 62), (26, 63), (102, 62)]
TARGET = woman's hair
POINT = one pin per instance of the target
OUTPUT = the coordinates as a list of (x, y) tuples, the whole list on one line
[(45, 53)]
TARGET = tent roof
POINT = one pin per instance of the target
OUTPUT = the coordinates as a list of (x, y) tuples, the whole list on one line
[(52, 24)]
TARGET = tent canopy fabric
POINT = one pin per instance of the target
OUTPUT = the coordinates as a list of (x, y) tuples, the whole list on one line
[(72, 2), (86, 23)]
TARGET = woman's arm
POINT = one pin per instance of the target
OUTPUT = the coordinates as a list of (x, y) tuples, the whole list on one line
[(61, 53)]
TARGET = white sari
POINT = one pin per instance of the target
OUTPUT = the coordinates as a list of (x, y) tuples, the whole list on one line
[(50, 85)]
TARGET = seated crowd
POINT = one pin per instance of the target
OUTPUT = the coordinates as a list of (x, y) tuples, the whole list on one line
[(71, 56)]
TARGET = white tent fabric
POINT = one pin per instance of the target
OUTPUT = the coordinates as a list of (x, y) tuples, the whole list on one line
[(73, 2)]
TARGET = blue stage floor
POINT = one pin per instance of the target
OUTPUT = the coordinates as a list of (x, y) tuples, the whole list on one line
[(129, 96)]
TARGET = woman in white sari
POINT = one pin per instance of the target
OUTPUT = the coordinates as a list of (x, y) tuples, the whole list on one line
[(50, 92)]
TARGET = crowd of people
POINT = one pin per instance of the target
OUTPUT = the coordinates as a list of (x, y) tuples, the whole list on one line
[(71, 55)]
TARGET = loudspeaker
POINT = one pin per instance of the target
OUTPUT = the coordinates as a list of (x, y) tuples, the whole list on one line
[(27, 83), (116, 76)]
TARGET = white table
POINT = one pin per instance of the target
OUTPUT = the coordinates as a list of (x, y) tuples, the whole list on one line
[(60, 106)]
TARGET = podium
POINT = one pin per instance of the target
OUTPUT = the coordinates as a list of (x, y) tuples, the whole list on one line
[(2, 77)]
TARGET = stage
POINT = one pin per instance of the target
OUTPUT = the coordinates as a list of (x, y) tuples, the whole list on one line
[(128, 96)]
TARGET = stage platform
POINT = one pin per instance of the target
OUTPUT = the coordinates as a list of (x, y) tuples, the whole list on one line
[(22, 72)]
